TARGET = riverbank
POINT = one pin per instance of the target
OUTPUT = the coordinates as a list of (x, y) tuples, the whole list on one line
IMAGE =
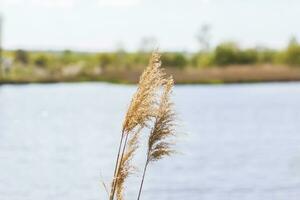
[(211, 75)]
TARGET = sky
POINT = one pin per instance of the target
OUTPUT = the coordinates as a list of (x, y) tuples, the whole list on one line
[(106, 25)]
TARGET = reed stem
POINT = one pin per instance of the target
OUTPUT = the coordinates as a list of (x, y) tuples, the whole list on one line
[(143, 178), (116, 167)]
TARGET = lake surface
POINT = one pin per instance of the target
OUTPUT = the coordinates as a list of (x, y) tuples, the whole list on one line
[(238, 142)]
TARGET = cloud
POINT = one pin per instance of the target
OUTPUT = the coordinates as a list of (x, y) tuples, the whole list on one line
[(70, 3), (118, 3), (42, 3), (205, 1), (54, 3)]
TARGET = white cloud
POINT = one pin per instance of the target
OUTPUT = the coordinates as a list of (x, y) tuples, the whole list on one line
[(12, 2), (206, 1), (120, 3), (43, 3), (70, 3), (54, 3)]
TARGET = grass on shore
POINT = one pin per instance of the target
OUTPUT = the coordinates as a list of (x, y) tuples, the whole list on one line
[(212, 75)]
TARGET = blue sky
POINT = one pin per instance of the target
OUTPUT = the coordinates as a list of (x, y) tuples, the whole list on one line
[(100, 25)]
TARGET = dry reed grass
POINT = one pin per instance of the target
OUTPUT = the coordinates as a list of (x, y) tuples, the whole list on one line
[(164, 126), (159, 144), (148, 106), (126, 168), (141, 108)]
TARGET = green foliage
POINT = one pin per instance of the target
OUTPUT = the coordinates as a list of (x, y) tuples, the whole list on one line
[(248, 56), (202, 60), (266, 56), (68, 57), (177, 60), (292, 54), (41, 60), (107, 59), (226, 53), (22, 56), (229, 54), (138, 59), (68, 65)]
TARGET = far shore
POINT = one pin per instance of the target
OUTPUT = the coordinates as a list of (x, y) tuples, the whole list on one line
[(190, 75)]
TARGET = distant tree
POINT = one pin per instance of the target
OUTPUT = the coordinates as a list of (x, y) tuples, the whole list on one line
[(67, 52), (266, 55), (106, 59), (202, 60), (67, 57), (248, 56), (203, 36), (41, 61), (292, 53), (21, 56), (226, 53), (177, 60), (120, 57), (139, 58)]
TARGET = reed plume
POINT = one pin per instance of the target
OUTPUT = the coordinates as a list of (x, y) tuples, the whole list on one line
[(141, 108), (140, 112), (159, 144)]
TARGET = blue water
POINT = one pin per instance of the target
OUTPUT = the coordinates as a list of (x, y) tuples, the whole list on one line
[(237, 142)]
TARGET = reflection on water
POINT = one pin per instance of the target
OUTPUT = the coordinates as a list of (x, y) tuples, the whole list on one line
[(243, 142)]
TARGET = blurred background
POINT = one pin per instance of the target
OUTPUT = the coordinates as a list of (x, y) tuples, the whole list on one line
[(239, 106)]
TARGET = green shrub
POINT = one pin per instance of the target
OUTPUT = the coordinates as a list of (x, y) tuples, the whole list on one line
[(41, 61), (292, 54), (248, 56), (226, 54), (107, 59), (177, 60), (68, 57), (202, 60), (267, 56), (21, 56)]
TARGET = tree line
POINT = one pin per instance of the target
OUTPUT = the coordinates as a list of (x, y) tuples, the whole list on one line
[(228, 53)]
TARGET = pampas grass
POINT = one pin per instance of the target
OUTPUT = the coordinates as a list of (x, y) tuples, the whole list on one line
[(159, 144), (141, 108), (149, 107), (139, 113)]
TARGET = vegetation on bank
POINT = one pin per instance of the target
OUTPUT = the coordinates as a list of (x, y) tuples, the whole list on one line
[(121, 66)]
